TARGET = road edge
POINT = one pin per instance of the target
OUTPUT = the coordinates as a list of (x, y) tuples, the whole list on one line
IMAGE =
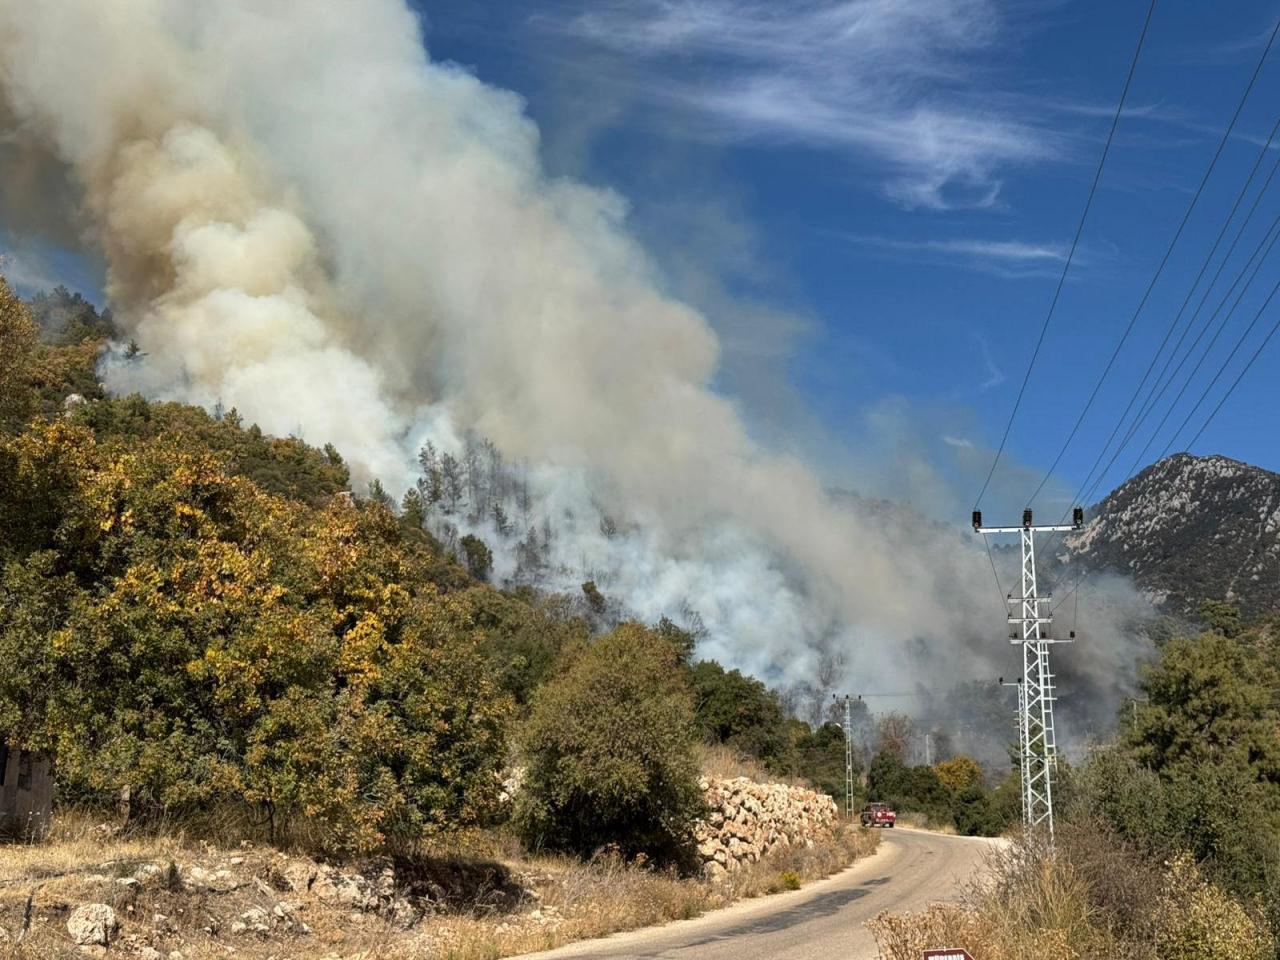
[(744, 909)]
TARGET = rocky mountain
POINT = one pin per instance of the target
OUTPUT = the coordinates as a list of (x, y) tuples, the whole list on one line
[(1188, 529)]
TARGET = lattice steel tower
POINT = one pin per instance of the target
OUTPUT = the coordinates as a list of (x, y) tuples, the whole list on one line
[(1018, 718), (847, 727), (1031, 629)]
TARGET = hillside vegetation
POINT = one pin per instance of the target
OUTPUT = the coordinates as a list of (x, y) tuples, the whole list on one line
[(199, 617)]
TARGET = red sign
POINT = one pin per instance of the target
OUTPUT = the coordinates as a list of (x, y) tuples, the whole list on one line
[(950, 953)]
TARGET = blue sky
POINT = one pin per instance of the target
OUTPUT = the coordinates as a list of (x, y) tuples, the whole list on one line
[(872, 200)]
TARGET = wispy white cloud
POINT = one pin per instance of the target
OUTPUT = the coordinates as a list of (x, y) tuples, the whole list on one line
[(1009, 259), (1014, 251), (894, 83), (995, 376)]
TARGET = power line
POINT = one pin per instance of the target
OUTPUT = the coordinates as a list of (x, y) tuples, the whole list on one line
[(1231, 356), (1226, 396), (1275, 235), (1264, 246), (999, 589), (1162, 383), (1154, 279), (1038, 739), (1264, 243), (1057, 293), (1087, 489)]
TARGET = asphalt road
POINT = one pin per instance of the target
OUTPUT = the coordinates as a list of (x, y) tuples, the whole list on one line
[(911, 869)]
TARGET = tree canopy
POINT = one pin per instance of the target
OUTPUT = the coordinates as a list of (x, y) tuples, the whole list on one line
[(609, 751)]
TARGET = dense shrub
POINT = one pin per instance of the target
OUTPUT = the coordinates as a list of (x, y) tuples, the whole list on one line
[(168, 627), (974, 813), (959, 772), (1198, 770), (1196, 920), (477, 555), (284, 466), (741, 712), (524, 636), (609, 749)]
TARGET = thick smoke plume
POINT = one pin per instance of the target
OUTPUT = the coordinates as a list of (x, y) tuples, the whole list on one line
[(306, 218)]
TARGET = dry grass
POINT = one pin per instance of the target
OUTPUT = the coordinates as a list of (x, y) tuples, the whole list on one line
[(1035, 904), (720, 760), (79, 843), (775, 872), (922, 821), (608, 896), (558, 899), (1091, 897)]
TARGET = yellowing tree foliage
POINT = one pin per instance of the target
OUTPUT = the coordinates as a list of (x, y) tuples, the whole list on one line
[(959, 772), (168, 626), (19, 337)]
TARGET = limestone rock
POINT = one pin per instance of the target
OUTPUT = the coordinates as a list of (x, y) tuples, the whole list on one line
[(93, 924), (298, 876), (199, 880), (254, 920), (147, 873)]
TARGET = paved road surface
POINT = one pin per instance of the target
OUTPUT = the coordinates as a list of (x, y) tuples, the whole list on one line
[(910, 870)]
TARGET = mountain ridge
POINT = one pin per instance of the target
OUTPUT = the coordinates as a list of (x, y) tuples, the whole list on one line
[(1186, 529)]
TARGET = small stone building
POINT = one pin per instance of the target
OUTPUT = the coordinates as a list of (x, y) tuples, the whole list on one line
[(26, 793)]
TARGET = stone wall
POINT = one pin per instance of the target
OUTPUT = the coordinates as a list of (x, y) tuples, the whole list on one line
[(748, 819)]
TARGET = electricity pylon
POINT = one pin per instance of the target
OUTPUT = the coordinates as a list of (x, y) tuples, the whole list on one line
[(1018, 719), (1031, 629), (847, 726)]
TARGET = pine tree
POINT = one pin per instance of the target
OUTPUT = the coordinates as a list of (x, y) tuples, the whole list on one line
[(451, 474), (413, 509), (378, 493), (477, 556), (500, 519)]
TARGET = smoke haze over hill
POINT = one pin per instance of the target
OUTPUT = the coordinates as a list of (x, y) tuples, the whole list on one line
[(305, 217)]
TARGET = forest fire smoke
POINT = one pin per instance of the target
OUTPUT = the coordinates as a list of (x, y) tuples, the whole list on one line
[(306, 218)]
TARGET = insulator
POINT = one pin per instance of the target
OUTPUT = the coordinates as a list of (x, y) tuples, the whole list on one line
[(1077, 517), (1026, 517), (977, 519)]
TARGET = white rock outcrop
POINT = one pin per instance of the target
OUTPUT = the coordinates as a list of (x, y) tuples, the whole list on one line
[(746, 820), (93, 924)]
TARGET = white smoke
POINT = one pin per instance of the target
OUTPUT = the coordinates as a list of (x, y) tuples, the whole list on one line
[(306, 218)]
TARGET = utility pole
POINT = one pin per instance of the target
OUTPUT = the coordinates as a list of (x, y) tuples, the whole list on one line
[(928, 752), (847, 727), (1022, 745), (1030, 629)]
